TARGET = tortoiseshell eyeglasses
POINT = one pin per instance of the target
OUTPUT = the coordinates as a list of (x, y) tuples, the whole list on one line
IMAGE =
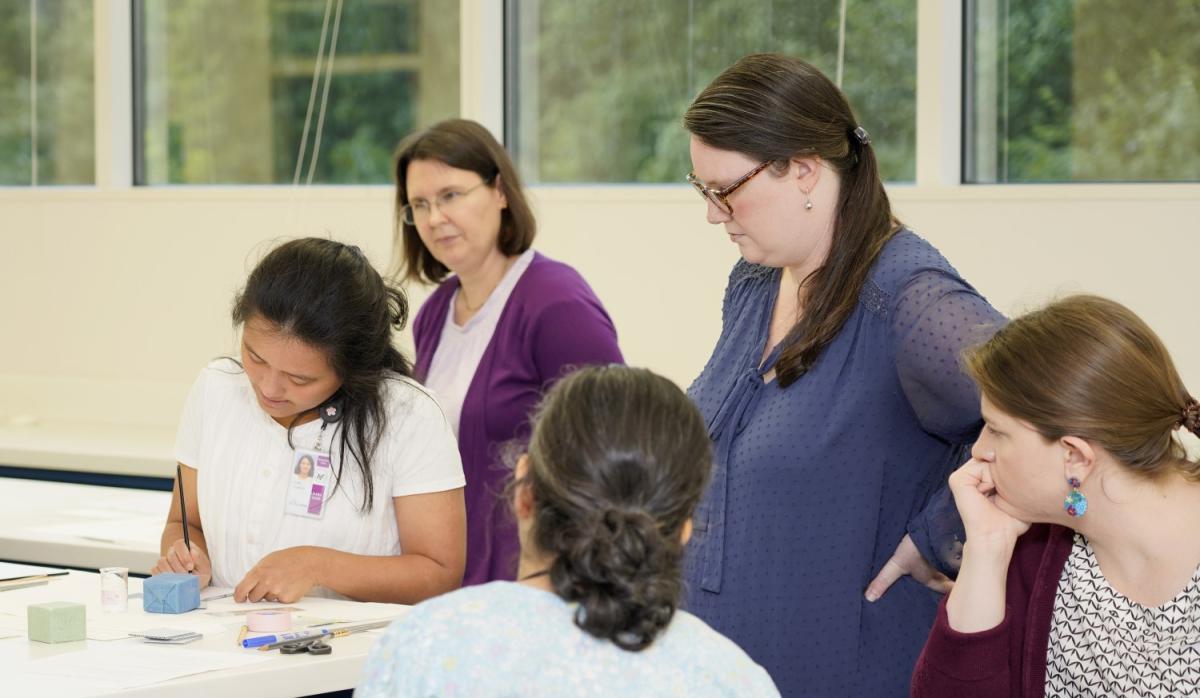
[(720, 197)]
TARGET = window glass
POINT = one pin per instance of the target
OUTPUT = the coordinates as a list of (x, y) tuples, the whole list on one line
[(47, 106), (1082, 90), (224, 87), (597, 88)]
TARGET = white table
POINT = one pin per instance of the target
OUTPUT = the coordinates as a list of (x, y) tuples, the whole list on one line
[(278, 675), (117, 449), (57, 523)]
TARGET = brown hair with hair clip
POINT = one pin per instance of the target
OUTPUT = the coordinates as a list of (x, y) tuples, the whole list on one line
[(772, 107), (1190, 417), (1089, 367)]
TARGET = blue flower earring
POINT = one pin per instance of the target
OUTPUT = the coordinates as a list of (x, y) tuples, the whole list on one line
[(1076, 503)]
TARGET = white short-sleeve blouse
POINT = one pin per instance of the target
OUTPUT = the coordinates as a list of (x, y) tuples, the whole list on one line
[(244, 464)]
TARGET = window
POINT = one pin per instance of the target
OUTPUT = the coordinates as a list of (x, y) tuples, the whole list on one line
[(597, 88), (46, 96), (1082, 90), (226, 94)]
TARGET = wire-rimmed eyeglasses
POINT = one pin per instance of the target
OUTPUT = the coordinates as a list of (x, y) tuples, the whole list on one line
[(420, 209)]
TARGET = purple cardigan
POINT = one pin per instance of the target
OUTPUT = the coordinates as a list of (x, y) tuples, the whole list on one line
[(1008, 660), (552, 323)]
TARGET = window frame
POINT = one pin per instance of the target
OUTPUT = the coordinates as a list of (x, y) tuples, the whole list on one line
[(484, 52)]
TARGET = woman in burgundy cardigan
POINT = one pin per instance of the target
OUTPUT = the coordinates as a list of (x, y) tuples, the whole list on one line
[(504, 322), (1101, 594)]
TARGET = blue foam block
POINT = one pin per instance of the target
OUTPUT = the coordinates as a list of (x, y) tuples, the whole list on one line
[(171, 593)]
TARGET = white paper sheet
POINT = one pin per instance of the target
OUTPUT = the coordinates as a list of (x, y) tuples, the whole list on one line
[(100, 668), (11, 626), (104, 625), (117, 626), (311, 606)]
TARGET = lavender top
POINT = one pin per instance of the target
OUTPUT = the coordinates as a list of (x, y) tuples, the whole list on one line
[(816, 483), (551, 324)]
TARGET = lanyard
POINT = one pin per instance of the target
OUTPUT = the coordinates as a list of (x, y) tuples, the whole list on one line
[(320, 437)]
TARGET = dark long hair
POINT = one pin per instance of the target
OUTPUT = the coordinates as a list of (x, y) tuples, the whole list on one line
[(328, 296), (1089, 367), (618, 460), (464, 145), (774, 107)]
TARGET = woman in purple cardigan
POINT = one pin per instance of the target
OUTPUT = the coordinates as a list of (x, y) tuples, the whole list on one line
[(504, 322), (1101, 595)]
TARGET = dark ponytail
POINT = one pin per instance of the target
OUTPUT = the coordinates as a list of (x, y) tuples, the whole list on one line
[(618, 460), (775, 107), (327, 295)]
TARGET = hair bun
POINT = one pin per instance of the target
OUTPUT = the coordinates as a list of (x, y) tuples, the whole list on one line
[(622, 539), (623, 574)]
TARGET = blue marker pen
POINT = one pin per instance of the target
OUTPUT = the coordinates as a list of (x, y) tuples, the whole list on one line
[(284, 637)]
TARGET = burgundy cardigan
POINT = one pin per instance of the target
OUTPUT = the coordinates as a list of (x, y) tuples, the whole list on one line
[(552, 323), (1008, 660)]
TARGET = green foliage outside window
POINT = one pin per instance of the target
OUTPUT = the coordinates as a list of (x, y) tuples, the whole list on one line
[(1083, 90), (226, 87), (59, 90), (601, 85)]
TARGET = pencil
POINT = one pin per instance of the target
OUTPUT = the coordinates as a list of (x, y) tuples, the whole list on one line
[(187, 539), (242, 635), (22, 584), (35, 577)]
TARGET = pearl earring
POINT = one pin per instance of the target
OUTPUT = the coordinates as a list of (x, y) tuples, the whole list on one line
[(808, 204)]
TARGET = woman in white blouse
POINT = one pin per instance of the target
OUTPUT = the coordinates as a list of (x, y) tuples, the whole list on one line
[(1101, 594), (319, 391)]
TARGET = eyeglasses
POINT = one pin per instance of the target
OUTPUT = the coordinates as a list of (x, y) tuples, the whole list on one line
[(446, 202), (720, 197)]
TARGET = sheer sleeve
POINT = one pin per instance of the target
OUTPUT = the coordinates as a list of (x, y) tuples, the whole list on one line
[(936, 317)]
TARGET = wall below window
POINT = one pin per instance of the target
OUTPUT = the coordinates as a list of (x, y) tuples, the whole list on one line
[(113, 300)]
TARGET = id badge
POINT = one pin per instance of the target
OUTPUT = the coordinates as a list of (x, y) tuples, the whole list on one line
[(309, 484)]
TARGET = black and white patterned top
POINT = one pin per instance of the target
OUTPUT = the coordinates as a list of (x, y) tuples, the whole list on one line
[(1103, 644)]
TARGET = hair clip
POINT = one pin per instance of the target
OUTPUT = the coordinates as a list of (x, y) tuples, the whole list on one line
[(1189, 417), (861, 134)]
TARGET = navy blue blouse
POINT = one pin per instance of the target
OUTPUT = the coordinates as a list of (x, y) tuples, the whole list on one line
[(815, 484)]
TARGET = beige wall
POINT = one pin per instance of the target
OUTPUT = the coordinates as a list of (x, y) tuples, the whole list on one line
[(112, 300)]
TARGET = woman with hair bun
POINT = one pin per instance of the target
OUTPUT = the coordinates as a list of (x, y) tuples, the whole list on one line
[(1081, 570), (603, 500)]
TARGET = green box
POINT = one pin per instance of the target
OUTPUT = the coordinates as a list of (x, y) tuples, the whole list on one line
[(57, 621)]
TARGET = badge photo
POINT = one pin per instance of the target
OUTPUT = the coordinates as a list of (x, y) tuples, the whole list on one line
[(309, 483)]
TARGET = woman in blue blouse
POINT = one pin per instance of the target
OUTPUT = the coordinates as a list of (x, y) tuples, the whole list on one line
[(834, 396)]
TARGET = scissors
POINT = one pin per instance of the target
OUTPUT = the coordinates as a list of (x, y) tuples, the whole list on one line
[(313, 646)]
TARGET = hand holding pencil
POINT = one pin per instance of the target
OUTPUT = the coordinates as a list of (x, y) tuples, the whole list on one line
[(180, 559), (182, 556)]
